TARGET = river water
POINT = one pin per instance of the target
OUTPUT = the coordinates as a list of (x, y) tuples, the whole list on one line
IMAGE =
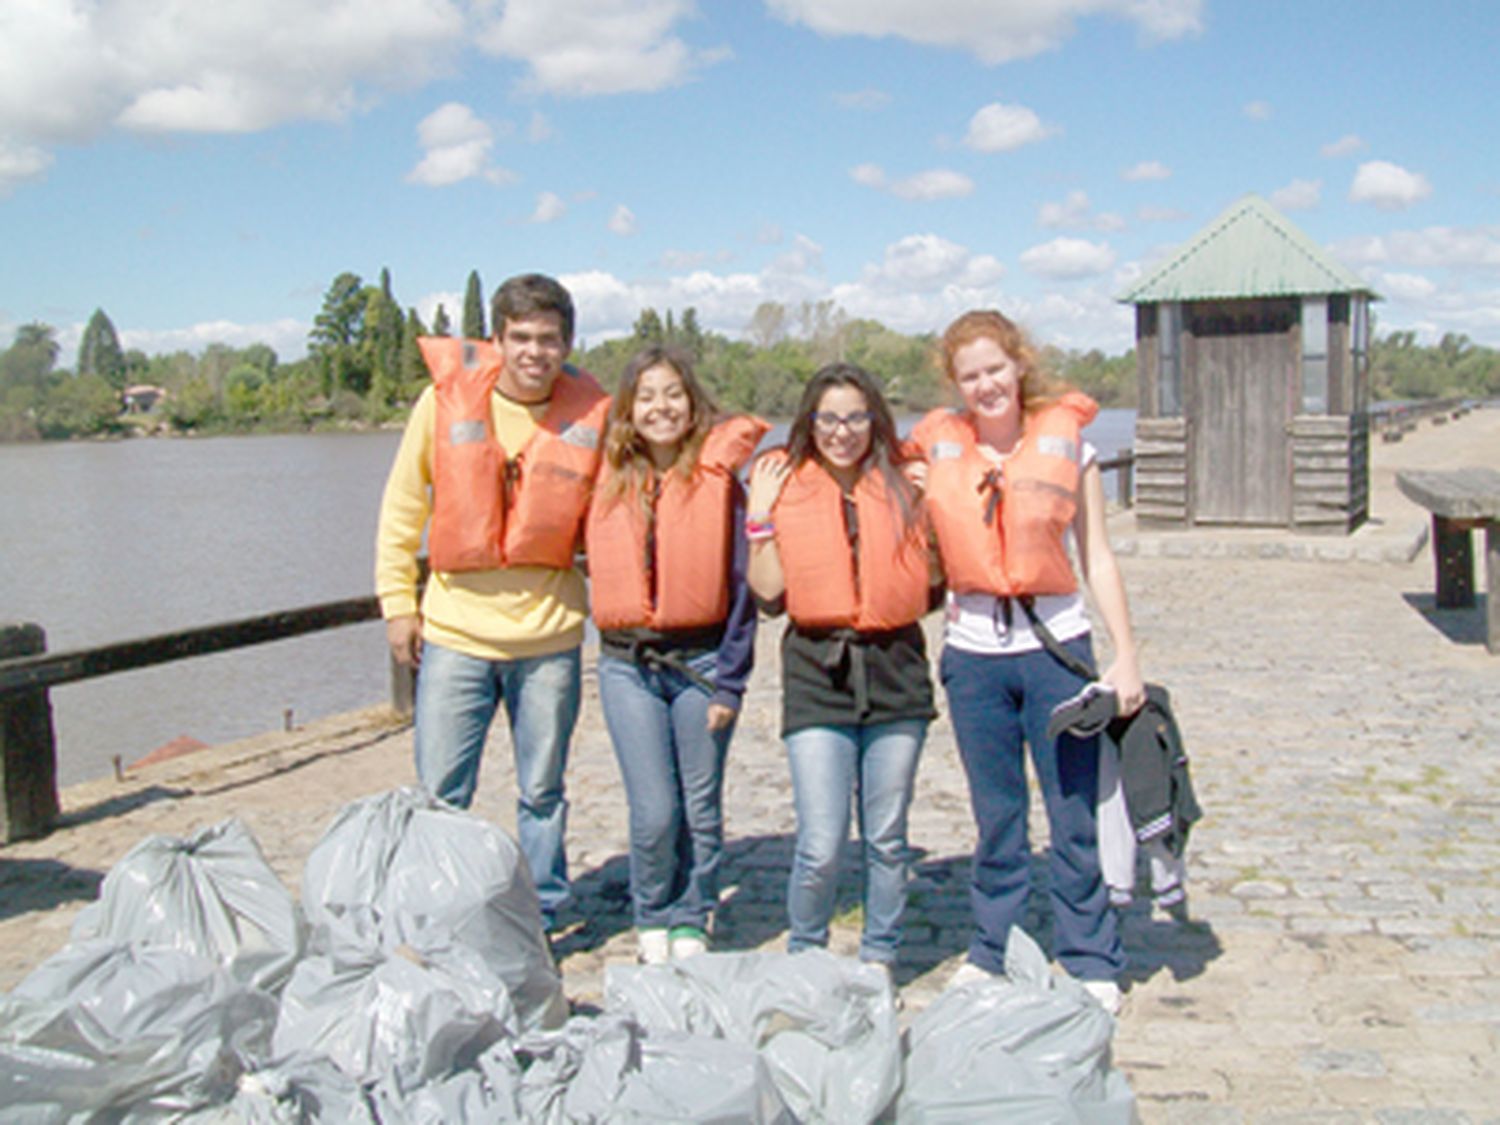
[(111, 541)]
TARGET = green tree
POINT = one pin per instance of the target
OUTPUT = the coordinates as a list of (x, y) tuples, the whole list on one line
[(648, 330), (690, 335), (441, 325), (31, 356), (474, 308), (413, 367), (337, 334), (78, 405), (99, 351), (383, 329)]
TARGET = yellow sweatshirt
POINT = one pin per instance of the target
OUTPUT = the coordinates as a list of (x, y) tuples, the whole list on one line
[(506, 614)]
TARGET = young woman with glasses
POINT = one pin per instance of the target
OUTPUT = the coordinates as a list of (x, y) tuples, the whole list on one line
[(839, 543)]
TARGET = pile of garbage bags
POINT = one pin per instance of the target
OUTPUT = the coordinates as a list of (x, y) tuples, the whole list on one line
[(412, 982)]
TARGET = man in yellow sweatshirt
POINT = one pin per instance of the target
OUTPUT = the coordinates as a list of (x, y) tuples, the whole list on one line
[(495, 466)]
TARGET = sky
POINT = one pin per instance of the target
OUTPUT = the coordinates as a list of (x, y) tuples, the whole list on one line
[(203, 169)]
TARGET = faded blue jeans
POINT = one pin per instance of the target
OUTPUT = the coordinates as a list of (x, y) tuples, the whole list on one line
[(1000, 704), (876, 765), (673, 768), (457, 697)]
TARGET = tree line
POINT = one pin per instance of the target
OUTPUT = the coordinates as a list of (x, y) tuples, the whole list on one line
[(363, 367)]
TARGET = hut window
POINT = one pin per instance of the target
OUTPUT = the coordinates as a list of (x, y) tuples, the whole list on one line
[(1314, 355), (1359, 347), (1169, 371)]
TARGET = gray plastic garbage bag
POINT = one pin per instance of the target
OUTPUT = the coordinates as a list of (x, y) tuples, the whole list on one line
[(129, 1032), (826, 1026), (404, 868), (297, 1090), (212, 894), (1029, 1047), (609, 1069), (486, 1092), (412, 1016)]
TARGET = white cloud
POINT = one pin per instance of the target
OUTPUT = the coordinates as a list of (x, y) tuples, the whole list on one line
[(804, 256), (1257, 111), (1002, 128), (868, 98), (1299, 195), (589, 47), (1429, 248), (993, 32), (1347, 145), (71, 71), (1065, 258), (286, 337), (936, 183), (1388, 186), (1146, 170), (539, 128), (456, 146), (549, 208), (924, 263), (20, 163), (1405, 286), (622, 221), (1075, 213)]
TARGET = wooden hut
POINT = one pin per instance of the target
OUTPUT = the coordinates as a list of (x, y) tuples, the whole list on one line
[(1252, 357)]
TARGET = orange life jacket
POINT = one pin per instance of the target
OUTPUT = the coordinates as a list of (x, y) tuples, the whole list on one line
[(685, 584), (878, 584), (1004, 530), (490, 510)]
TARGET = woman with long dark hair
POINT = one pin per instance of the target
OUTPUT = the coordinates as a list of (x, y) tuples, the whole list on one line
[(666, 547), (838, 542)]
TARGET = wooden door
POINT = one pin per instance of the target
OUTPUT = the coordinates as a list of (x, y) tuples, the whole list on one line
[(1240, 357)]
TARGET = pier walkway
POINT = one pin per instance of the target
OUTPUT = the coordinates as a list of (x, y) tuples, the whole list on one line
[(1342, 961)]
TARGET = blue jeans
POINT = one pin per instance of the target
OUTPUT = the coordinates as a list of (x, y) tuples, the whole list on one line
[(877, 765), (997, 703), (673, 768), (457, 696)]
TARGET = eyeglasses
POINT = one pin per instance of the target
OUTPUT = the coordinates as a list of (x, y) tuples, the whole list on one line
[(827, 422)]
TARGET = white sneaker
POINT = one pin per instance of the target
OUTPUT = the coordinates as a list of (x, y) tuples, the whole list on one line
[(688, 943), (1106, 992), (969, 973), (652, 946)]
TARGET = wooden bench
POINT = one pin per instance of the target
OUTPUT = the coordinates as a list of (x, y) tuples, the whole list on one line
[(1461, 500)]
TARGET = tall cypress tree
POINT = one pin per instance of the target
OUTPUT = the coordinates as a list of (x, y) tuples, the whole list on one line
[(99, 352), (474, 308)]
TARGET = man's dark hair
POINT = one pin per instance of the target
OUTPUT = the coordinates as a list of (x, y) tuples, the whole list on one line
[(528, 294)]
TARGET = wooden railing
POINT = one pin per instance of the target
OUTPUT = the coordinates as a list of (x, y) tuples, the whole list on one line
[(1122, 464), (28, 747), (1392, 423)]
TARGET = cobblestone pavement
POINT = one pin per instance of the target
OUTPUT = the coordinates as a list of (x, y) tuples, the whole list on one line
[(1342, 961)]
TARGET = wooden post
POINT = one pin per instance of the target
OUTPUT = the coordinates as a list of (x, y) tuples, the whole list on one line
[(1127, 478), (28, 750), (1453, 550), (1492, 585)]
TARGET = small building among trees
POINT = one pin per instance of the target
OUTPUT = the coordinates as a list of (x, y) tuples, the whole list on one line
[(1252, 363)]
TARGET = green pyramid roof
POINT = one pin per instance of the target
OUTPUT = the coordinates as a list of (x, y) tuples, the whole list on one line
[(1251, 250)]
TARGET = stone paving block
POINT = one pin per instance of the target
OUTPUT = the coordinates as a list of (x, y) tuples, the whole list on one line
[(1436, 1115)]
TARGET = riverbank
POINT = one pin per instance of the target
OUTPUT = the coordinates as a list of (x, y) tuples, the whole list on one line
[(1343, 958)]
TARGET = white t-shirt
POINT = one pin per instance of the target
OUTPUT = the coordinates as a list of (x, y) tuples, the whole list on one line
[(977, 622)]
